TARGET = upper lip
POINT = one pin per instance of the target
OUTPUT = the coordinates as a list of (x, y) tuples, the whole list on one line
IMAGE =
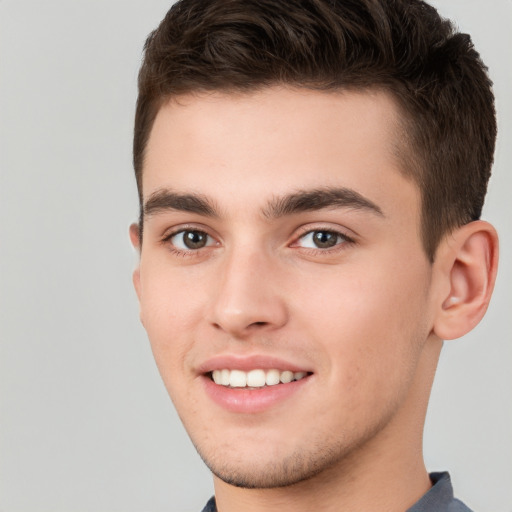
[(247, 363)]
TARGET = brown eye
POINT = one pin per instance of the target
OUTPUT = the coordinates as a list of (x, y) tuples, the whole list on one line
[(321, 239), (190, 240), (325, 239)]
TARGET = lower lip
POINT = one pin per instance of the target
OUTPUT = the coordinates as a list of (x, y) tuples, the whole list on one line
[(248, 401)]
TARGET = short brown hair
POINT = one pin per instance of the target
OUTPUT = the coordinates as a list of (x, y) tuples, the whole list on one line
[(401, 46)]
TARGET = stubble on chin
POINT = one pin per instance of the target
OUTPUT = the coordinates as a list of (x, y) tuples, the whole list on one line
[(293, 469), (318, 455), (302, 464)]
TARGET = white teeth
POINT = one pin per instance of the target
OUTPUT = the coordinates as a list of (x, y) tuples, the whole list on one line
[(255, 378), (238, 379), (216, 376), (286, 377), (224, 377), (272, 377)]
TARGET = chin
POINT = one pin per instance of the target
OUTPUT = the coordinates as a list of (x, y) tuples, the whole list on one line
[(275, 471), (272, 476)]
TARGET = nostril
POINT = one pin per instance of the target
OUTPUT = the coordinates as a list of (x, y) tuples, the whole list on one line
[(259, 323)]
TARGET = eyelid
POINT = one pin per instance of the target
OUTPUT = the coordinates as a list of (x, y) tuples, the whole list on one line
[(182, 246), (344, 233), (348, 238), (176, 230)]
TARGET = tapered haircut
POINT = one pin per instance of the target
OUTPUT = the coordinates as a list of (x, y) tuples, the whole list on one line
[(446, 138)]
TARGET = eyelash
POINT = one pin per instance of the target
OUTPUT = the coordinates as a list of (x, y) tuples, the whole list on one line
[(343, 240), (180, 252), (339, 246)]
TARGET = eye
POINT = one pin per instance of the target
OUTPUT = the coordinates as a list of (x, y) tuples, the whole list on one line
[(190, 240), (321, 239)]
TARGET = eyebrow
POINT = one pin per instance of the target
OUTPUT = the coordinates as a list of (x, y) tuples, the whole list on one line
[(164, 200), (319, 199), (301, 201)]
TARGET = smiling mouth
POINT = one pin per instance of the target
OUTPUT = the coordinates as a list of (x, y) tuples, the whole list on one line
[(255, 379)]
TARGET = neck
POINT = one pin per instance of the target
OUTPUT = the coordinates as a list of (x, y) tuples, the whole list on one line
[(387, 473)]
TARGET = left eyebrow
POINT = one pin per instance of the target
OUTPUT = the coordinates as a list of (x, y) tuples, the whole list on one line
[(319, 199)]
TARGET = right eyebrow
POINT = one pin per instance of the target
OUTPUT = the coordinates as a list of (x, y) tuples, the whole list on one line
[(164, 199)]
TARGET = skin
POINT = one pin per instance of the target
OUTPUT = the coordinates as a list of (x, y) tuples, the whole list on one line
[(364, 317)]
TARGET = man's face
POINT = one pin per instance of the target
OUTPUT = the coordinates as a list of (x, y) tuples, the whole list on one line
[(282, 242)]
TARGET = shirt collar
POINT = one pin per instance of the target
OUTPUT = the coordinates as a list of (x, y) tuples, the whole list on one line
[(439, 497)]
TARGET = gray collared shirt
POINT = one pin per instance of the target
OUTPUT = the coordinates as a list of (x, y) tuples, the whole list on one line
[(438, 499)]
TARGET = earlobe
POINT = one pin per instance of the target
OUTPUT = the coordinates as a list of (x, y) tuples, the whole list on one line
[(469, 262), (136, 282)]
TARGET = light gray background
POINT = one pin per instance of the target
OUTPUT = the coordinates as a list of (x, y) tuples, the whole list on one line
[(85, 423)]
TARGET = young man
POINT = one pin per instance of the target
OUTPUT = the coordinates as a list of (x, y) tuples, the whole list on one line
[(311, 175)]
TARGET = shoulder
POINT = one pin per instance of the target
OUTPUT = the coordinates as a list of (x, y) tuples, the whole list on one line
[(457, 506)]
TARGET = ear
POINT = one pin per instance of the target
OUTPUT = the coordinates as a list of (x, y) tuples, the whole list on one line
[(135, 239), (467, 260)]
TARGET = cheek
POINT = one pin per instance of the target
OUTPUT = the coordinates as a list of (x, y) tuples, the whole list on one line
[(171, 312), (377, 301), (370, 322)]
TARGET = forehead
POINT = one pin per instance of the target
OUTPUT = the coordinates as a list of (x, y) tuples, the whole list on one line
[(251, 146)]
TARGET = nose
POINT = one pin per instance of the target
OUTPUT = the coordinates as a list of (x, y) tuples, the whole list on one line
[(248, 297)]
